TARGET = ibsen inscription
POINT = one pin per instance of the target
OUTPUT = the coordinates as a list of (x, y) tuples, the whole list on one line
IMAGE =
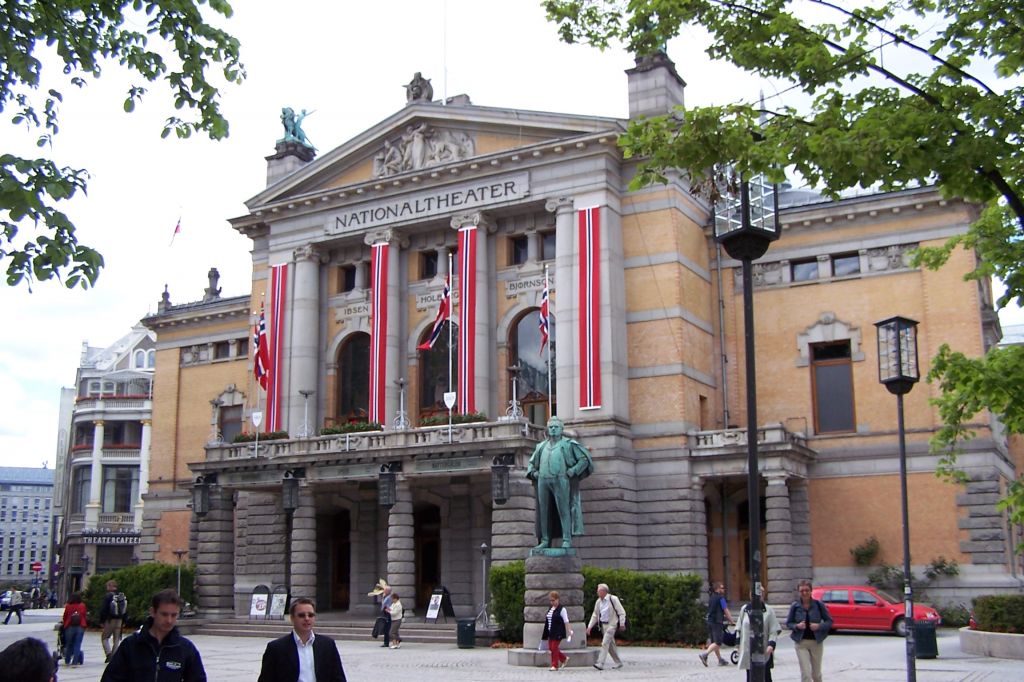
[(427, 203)]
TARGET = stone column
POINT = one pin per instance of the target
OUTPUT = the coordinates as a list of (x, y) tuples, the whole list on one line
[(486, 399), (800, 521), (92, 509), (401, 545), (698, 560), (303, 337), (361, 274), (147, 439), (215, 555), (393, 334), (564, 308), (303, 556), (513, 530), (533, 245), (442, 261), (779, 537)]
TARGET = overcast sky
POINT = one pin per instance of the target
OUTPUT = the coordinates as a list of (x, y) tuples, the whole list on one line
[(347, 61)]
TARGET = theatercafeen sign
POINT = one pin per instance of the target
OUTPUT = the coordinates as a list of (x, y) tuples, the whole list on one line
[(428, 203)]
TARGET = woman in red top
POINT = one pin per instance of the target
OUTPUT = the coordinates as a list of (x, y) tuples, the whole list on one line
[(74, 629)]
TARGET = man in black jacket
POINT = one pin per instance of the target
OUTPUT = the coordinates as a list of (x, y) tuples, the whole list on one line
[(157, 651), (301, 651), (112, 622)]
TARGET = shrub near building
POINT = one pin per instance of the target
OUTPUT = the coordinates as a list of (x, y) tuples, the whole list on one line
[(659, 607), (139, 584), (1000, 613)]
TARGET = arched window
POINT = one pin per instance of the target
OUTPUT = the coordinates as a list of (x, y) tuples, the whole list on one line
[(433, 365), (354, 379), (525, 350), (139, 359), (150, 359)]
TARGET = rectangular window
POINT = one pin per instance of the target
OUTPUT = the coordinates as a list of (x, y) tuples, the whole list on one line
[(230, 422), (804, 270), (80, 479), (346, 278), (120, 488), (832, 387), (547, 245), (222, 350), (846, 264), (518, 247), (242, 348), (428, 264)]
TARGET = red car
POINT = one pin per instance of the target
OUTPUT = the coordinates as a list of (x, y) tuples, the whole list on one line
[(857, 607)]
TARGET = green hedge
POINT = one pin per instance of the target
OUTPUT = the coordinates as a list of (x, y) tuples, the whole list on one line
[(457, 418), (508, 592), (350, 427), (659, 607), (139, 584), (1000, 613)]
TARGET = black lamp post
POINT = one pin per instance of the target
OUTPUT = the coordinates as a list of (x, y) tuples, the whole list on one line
[(201, 495), (387, 484), (289, 503), (898, 371), (746, 228), (499, 477)]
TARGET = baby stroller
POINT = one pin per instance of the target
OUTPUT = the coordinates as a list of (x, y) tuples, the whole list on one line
[(58, 654), (730, 638)]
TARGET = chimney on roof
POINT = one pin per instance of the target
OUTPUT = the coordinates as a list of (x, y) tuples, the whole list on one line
[(654, 86)]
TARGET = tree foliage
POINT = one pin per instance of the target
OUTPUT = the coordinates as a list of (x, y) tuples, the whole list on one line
[(953, 117), (42, 43)]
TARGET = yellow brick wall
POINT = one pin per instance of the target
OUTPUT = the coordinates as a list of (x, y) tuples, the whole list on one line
[(173, 534), (846, 511)]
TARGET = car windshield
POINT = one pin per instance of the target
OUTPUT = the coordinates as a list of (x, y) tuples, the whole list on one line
[(888, 597)]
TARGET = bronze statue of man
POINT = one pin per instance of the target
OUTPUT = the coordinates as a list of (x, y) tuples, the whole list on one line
[(557, 466)]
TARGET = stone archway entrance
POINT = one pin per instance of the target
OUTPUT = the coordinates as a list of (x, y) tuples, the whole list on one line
[(427, 534)]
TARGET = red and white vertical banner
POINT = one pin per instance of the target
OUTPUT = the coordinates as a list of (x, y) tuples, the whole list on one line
[(277, 299), (590, 306), (379, 253), (467, 319)]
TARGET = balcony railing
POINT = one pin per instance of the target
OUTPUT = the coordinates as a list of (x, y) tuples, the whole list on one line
[(423, 437), (117, 522), (731, 438), (121, 454), (112, 403)]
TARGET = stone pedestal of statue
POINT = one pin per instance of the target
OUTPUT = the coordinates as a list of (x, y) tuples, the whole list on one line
[(564, 575)]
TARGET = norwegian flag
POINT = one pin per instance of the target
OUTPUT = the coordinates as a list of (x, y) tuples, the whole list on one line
[(444, 311), (261, 354), (543, 321)]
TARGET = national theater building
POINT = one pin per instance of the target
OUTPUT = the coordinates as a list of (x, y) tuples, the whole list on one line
[(351, 255)]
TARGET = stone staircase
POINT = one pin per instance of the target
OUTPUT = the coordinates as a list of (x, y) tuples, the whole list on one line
[(338, 626)]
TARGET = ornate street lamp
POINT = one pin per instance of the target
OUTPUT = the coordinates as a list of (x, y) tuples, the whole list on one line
[(401, 422), (515, 409), (898, 371), (499, 477), (387, 484), (201, 495), (306, 432), (746, 223)]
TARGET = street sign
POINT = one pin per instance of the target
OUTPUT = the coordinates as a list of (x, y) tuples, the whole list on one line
[(37, 566)]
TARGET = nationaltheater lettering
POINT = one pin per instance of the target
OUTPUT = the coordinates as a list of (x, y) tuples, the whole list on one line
[(424, 204)]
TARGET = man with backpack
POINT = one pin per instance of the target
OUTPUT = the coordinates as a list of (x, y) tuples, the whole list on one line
[(113, 613)]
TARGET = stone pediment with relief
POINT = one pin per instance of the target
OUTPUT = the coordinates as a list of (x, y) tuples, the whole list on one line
[(424, 136)]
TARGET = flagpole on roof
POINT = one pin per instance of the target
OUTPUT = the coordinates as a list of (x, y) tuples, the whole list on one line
[(549, 337)]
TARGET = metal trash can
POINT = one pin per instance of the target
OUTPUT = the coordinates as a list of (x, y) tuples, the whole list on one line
[(466, 633), (924, 639)]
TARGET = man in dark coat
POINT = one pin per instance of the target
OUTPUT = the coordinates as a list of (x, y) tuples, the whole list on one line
[(157, 651), (302, 651)]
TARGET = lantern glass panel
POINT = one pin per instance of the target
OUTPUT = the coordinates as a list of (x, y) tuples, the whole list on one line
[(499, 483), (290, 494), (200, 499), (386, 489)]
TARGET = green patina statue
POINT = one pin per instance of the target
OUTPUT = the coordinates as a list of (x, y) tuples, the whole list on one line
[(292, 123), (557, 466)]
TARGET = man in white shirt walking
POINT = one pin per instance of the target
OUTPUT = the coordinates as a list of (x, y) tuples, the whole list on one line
[(608, 612)]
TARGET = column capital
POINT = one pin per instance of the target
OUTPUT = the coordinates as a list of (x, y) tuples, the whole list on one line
[(146, 422), (775, 477), (386, 235), (558, 205), (97, 422), (309, 252), (474, 218)]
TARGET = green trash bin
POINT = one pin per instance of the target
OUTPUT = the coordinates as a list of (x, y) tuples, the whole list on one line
[(466, 633), (924, 639)]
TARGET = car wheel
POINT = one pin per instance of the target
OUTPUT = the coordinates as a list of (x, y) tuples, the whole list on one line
[(900, 627)]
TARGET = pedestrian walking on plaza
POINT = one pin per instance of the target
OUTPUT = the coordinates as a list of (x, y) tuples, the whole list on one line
[(556, 628), (771, 632), (397, 612), (718, 616), (810, 623), (28, 660), (16, 605), (385, 612), (113, 613), (74, 624), (302, 654), (610, 617), (157, 651)]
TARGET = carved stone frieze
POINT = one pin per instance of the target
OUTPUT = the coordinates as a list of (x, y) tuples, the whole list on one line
[(895, 257), (422, 146)]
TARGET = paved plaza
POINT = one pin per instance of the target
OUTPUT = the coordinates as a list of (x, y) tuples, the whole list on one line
[(855, 658)]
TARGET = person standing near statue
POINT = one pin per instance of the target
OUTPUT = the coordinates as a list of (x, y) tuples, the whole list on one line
[(557, 466)]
